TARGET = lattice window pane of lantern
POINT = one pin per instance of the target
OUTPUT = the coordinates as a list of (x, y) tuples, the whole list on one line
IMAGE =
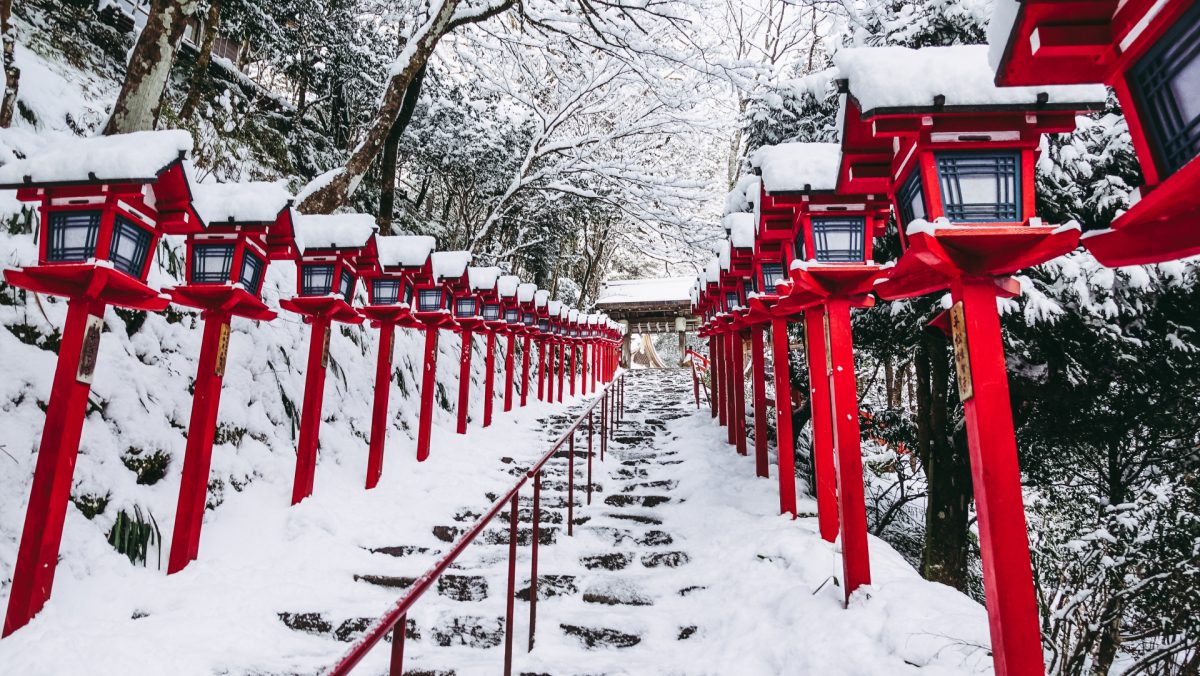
[(1167, 81), (429, 300), (980, 187), (129, 247), (211, 263), (346, 287), (839, 239), (408, 294), (464, 307), (543, 325), (491, 311), (72, 235), (252, 272), (772, 274), (385, 291), (731, 300), (512, 316), (528, 319), (316, 280), (911, 198), (748, 287)]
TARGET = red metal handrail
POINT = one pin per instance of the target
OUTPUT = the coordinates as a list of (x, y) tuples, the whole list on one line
[(611, 403), (696, 375)]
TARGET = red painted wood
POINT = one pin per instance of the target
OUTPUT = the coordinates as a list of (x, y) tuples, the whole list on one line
[(541, 370), (1003, 538), (33, 575), (572, 367), (512, 585), (379, 410), (856, 563), (464, 381), (714, 369), (551, 350), (396, 663), (562, 346), (719, 377), (590, 453), (822, 422), (533, 557), (489, 379), (759, 384), (197, 459), (428, 385), (509, 358), (583, 364), (783, 418), (525, 370), (310, 415), (739, 391), (730, 383), (571, 484)]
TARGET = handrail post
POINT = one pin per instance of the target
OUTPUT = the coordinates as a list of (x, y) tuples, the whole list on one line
[(398, 631), (512, 586), (589, 495), (533, 551), (571, 484), (604, 424)]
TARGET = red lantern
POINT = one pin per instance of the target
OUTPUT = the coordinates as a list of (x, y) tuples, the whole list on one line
[(468, 316), (1143, 50), (506, 289), (246, 224), (483, 285), (391, 289), (541, 300), (331, 250), (553, 328), (961, 168), (104, 203)]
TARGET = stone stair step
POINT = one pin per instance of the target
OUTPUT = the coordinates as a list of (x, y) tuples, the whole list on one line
[(625, 500), (601, 637)]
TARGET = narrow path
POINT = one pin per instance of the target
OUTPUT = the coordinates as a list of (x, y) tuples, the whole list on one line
[(680, 565)]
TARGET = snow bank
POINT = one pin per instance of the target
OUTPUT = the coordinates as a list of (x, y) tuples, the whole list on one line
[(450, 265), (898, 77), (140, 156), (409, 251), (794, 167), (333, 231), (664, 289), (249, 202)]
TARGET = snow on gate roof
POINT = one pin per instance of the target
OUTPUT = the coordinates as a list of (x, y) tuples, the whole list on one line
[(652, 290), (903, 80)]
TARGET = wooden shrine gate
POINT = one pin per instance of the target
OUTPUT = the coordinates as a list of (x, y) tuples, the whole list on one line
[(649, 306)]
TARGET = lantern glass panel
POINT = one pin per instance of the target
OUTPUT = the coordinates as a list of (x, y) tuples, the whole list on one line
[(731, 300), (346, 287), (911, 199), (211, 263), (528, 319), (748, 286), (252, 272), (839, 239), (129, 247), (464, 307), (385, 291), (316, 279), (491, 311), (772, 274), (980, 187), (1166, 82), (512, 316), (543, 324), (72, 235), (429, 300), (408, 294)]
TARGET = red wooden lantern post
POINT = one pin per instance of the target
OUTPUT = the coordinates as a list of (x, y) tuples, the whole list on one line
[(572, 342), (564, 318), (390, 306), (246, 225), (328, 251), (104, 203), (1143, 50), (493, 322), (961, 162), (506, 287), (452, 268), (481, 289), (741, 271), (553, 323), (539, 332), (526, 300)]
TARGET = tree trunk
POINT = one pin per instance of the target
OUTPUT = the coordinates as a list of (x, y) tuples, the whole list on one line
[(387, 181), (140, 100), (200, 74), (947, 470), (12, 74), (336, 192)]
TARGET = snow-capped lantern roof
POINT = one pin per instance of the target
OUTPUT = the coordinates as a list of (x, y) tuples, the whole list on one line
[(554, 308), (405, 251), (724, 256), (449, 266), (540, 298), (483, 278), (138, 157), (525, 292), (573, 317), (252, 202), (712, 272), (333, 231), (507, 285), (798, 167), (886, 80), (565, 312), (744, 195), (741, 228)]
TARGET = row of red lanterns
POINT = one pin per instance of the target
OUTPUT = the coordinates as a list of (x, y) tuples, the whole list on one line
[(942, 140), (104, 204)]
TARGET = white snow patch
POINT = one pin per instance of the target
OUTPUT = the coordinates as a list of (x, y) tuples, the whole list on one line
[(333, 231), (484, 278), (139, 156), (249, 202), (409, 251), (792, 167), (664, 289), (450, 264)]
